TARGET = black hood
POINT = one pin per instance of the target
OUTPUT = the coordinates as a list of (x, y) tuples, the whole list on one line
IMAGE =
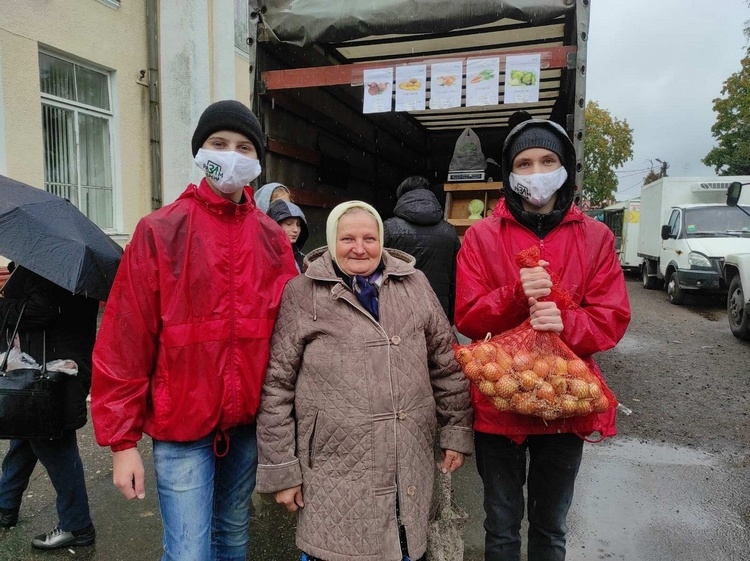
[(419, 207), (565, 194), (281, 210)]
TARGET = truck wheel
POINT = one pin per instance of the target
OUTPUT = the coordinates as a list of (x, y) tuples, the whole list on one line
[(649, 283), (739, 321), (674, 293)]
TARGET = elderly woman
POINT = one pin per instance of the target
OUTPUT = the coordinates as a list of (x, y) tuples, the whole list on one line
[(361, 370)]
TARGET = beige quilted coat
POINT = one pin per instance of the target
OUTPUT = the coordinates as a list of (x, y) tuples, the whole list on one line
[(350, 407)]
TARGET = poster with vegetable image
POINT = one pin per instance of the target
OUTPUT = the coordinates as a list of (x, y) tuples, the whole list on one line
[(410, 87), (445, 84), (522, 74), (378, 90), (482, 85)]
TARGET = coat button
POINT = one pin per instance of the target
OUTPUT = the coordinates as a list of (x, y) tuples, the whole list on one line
[(411, 490), (401, 415), (396, 340)]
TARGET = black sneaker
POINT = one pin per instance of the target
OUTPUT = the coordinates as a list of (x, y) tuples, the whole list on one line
[(8, 518), (57, 538)]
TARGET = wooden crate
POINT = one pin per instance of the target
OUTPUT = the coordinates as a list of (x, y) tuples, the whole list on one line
[(458, 196)]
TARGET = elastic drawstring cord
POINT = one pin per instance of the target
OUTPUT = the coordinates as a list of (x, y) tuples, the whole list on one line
[(221, 443)]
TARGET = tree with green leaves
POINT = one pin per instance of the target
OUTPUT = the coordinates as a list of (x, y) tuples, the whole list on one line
[(608, 144), (731, 155)]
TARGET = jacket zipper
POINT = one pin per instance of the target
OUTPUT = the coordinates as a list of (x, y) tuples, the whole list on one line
[(232, 314)]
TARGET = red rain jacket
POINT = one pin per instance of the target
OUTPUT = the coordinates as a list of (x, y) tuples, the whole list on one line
[(184, 341), (489, 298)]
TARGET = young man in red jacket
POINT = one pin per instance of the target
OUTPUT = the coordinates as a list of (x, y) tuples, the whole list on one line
[(494, 295), (184, 341)]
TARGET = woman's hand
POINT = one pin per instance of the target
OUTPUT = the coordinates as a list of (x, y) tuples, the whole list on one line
[(291, 498), (545, 316), (452, 460), (535, 281)]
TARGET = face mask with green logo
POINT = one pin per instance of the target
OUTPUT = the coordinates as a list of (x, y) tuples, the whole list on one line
[(227, 170)]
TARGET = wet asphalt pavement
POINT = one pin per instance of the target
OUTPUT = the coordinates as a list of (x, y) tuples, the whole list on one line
[(637, 499)]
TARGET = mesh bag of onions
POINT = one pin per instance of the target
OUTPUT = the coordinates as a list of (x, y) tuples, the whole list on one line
[(534, 372)]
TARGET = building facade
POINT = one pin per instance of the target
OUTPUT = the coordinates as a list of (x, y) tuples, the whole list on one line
[(99, 98)]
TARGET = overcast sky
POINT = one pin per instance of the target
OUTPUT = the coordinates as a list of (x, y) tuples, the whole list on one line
[(659, 64)]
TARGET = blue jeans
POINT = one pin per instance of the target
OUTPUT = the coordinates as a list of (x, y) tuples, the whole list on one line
[(61, 459), (553, 465), (205, 499)]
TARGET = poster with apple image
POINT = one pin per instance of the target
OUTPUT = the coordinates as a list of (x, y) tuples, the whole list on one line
[(378, 96), (411, 90), (482, 82), (522, 73), (446, 79)]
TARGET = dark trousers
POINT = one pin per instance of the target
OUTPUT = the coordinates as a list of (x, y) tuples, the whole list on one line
[(61, 459), (553, 462)]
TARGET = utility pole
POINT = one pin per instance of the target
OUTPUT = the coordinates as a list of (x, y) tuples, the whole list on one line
[(664, 166)]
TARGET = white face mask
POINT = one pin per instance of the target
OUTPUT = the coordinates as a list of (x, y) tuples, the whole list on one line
[(228, 170), (538, 188)]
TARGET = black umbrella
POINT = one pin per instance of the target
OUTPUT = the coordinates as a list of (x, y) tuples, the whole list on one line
[(50, 236)]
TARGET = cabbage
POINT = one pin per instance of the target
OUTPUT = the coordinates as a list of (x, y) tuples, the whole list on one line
[(475, 208)]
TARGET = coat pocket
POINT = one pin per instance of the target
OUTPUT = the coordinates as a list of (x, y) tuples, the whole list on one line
[(311, 443)]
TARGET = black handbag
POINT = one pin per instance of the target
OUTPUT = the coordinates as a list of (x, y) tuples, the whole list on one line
[(31, 399)]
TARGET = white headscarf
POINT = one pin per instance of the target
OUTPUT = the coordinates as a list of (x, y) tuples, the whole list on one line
[(332, 224)]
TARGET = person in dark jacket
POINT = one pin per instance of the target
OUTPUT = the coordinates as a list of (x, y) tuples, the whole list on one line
[(292, 220), (419, 229), (55, 324)]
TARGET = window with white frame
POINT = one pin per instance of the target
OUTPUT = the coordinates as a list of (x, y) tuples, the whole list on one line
[(241, 26), (76, 124)]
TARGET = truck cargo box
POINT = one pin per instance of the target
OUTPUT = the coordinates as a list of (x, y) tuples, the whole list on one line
[(658, 199), (308, 62)]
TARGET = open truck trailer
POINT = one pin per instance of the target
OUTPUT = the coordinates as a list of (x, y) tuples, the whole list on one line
[(307, 62)]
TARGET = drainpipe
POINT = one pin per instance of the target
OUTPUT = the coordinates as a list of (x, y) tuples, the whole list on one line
[(152, 28), (254, 15)]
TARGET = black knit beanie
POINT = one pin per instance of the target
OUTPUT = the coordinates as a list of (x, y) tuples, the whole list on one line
[(229, 115), (536, 137)]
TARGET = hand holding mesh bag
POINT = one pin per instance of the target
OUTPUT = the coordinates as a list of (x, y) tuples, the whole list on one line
[(534, 372)]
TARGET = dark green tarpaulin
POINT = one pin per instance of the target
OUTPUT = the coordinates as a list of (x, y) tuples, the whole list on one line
[(303, 22)]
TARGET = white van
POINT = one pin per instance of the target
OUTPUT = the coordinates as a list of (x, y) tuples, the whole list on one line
[(686, 232)]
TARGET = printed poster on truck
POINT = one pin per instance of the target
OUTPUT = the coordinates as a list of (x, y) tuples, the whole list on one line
[(411, 89), (445, 84), (482, 84), (522, 74), (378, 90)]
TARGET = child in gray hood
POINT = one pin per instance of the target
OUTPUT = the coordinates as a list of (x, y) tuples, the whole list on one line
[(292, 220)]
